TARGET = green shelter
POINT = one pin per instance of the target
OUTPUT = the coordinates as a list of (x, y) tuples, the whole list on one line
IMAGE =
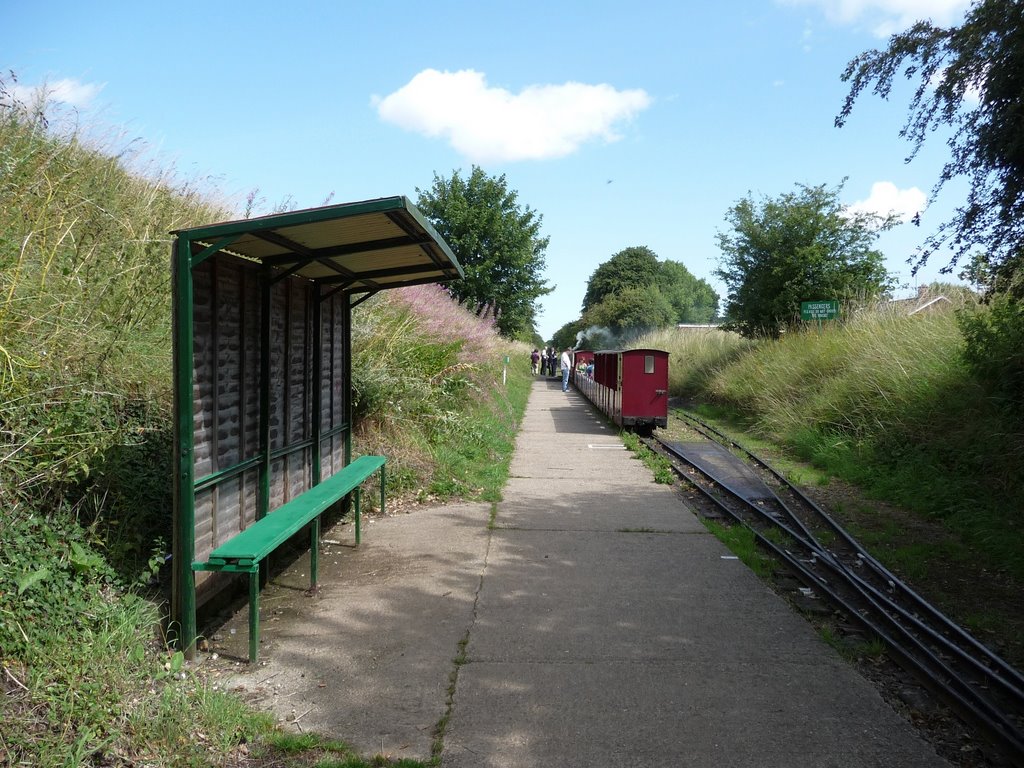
[(262, 362)]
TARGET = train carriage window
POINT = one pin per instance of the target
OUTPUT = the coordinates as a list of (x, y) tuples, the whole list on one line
[(648, 363)]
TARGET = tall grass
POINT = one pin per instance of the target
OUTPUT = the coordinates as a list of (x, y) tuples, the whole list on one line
[(695, 355), (84, 320), (851, 379), (85, 446), (884, 400), (426, 379)]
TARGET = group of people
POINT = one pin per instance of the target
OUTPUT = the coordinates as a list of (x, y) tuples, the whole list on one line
[(548, 359), (544, 361)]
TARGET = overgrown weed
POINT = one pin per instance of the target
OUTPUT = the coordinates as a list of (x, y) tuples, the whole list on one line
[(435, 394), (660, 467), (740, 540), (85, 676)]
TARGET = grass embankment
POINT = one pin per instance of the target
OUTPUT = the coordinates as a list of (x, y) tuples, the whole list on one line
[(85, 443), (886, 403)]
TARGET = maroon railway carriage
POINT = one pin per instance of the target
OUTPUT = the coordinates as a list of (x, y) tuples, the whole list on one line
[(630, 387), (579, 378), (581, 358)]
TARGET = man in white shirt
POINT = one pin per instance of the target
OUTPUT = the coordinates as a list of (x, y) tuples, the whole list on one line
[(566, 363)]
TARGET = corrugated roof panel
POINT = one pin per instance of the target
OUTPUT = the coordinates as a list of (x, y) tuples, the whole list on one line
[(408, 257), (342, 232), (381, 243)]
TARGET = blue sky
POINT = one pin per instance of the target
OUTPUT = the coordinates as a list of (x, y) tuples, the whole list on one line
[(621, 124)]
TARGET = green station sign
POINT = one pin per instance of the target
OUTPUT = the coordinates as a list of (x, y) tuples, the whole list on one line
[(819, 310)]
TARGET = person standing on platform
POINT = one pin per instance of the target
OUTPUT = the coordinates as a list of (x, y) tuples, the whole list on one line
[(534, 360), (566, 363)]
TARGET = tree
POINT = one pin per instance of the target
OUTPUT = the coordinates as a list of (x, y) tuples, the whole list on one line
[(631, 311), (802, 246), (638, 267), (568, 335), (693, 300), (979, 63), (630, 268), (498, 243)]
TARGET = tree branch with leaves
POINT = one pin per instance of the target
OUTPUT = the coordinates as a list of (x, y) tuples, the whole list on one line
[(498, 243), (970, 80), (801, 246)]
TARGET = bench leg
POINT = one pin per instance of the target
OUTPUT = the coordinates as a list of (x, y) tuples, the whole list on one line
[(359, 494), (314, 552), (382, 489), (254, 614)]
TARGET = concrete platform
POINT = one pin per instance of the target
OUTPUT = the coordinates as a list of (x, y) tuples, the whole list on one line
[(602, 626), (368, 660)]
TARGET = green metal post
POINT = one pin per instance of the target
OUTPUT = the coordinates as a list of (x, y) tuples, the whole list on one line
[(183, 586), (254, 615), (263, 500), (316, 419), (314, 551), (346, 386), (346, 373), (359, 496), (318, 385)]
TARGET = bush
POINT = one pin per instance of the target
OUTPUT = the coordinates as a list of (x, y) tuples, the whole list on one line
[(51, 578), (425, 372), (994, 350)]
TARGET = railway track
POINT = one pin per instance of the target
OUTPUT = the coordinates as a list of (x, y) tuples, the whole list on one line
[(976, 682)]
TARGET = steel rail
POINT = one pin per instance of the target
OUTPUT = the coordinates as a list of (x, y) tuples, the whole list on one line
[(991, 667), (949, 645), (933, 670), (999, 670)]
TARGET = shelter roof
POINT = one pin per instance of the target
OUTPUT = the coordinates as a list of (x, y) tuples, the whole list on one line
[(361, 247)]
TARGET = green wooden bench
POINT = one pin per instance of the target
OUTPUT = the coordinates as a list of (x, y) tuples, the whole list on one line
[(244, 552)]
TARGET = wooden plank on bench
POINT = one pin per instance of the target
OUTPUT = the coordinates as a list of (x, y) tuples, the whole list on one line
[(267, 534), (244, 551)]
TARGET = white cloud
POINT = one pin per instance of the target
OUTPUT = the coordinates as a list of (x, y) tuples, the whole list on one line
[(886, 199), (486, 123), (888, 16), (66, 91)]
